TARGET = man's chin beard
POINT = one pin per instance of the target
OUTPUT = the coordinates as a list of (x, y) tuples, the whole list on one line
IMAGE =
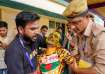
[(27, 39)]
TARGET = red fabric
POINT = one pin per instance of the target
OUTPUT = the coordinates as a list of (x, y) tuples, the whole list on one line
[(48, 66)]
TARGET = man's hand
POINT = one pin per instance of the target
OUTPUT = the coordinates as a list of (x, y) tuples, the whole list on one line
[(78, 70), (73, 65)]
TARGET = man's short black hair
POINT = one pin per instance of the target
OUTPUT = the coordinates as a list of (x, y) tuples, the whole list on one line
[(3, 24), (25, 17), (44, 26)]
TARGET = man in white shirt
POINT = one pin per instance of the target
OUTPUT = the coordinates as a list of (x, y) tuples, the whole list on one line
[(4, 41)]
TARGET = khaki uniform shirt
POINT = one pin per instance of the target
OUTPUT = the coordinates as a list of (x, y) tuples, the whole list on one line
[(94, 50)]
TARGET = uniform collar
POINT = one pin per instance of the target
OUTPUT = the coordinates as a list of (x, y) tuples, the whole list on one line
[(93, 28), (88, 29)]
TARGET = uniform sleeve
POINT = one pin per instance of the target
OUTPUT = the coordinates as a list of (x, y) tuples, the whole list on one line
[(14, 62), (64, 55), (100, 55)]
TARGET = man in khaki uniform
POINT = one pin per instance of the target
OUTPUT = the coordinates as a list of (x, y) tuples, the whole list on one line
[(91, 37)]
